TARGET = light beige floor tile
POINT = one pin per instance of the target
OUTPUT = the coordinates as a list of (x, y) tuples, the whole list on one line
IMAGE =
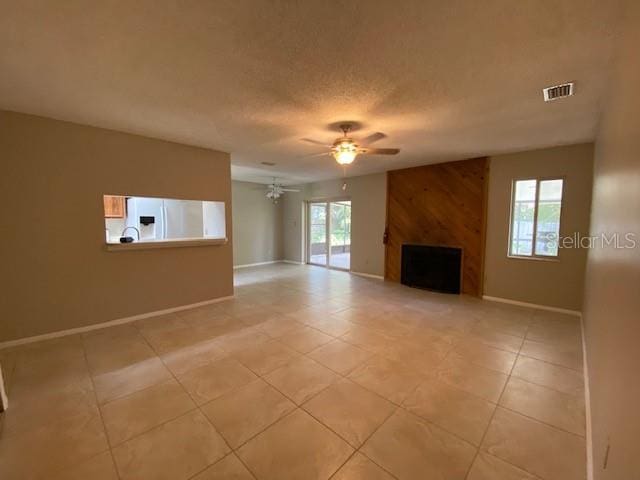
[(132, 378), (488, 467), (356, 314), (535, 447), (541, 316), (472, 378), (100, 467), (367, 338), (556, 333), (423, 358), (496, 339), (229, 468), (411, 448), (296, 447), (112, 351), (570, 357), (265, 357), (52, 447), (331, 325), (109, 336), (458, 412), (30, 412), (549, 406), (165, 341), (387, 378), (173, 451), (214, 380), (278, 327), (476, 352), (36, 378), (516, 327), (339, 356), (248, 337), (129, 416), (160, 323), (194, 356), (244, 412), (360, 467), (204, 312), (549, 375), (349, 410), (309, 315), (57, 350), (301, 379), (305, 339)]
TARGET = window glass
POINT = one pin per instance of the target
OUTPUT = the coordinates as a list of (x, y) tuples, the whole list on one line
[(523, 212), (548, 220), (535, 217)]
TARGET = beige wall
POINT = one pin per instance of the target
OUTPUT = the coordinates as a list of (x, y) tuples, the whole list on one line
[(56, 273), (612, 293), (553, 283), (368, 204), (257, 225)]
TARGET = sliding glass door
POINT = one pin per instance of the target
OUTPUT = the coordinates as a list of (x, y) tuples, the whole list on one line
[(317, 245), (329, 234)]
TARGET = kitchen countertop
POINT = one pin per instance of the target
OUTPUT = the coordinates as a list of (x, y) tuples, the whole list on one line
[(165, 243)]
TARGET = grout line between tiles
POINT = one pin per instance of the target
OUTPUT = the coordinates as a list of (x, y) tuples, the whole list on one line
[(497, 404), (95, 393)]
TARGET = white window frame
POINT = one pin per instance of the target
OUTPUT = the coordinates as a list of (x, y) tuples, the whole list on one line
[(534, 255)]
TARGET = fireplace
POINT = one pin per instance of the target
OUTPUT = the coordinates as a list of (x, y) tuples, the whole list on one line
[(431, 267)]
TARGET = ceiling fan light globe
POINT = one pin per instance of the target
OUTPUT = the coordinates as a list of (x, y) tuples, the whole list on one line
[(345, 158), (345, 151)]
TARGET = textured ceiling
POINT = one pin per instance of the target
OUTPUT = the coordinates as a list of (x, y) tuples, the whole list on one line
[(443, 79)]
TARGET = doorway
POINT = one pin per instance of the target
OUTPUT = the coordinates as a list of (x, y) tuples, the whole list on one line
[(329, 234)]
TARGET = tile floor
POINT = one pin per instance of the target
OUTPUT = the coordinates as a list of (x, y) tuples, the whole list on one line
[(307, 374)]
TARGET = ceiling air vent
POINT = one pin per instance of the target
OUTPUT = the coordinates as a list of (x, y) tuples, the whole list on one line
[(559, 91), (268, 164)]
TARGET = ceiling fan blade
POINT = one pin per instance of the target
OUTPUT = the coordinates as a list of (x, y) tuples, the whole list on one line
[(380, 151), (315, 142), (290, 190), (317, 154), (374, 137)]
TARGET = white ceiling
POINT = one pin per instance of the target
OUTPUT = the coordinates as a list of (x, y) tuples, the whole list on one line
[(443, 79)]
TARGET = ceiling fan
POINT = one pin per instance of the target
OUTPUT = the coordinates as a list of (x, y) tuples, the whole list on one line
[(276, 190), (345, 149)]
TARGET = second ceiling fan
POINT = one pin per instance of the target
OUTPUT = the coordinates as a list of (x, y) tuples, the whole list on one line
[(345, 148)]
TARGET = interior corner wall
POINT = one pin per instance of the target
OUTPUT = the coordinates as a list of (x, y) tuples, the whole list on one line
[(611, 311), (551, 283), (368, 205), (257, 225), (57, 274)]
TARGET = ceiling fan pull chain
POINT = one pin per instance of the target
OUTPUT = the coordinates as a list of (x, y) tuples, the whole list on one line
[(344, 178)]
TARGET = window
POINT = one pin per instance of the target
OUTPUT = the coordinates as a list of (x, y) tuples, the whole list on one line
[(535, 217)]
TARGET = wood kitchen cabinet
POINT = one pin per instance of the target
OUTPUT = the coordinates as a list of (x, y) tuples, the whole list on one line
[(114, 206)]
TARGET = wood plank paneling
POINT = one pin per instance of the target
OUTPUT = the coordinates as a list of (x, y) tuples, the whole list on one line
[(443, 204)]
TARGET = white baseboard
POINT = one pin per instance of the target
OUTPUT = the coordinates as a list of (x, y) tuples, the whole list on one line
[(293, 262), (110, 323), (368, 275), (246, 265), (575, 313), (587, 405)]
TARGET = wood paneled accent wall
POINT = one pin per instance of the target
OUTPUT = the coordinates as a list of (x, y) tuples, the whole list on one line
[(442, 204)]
